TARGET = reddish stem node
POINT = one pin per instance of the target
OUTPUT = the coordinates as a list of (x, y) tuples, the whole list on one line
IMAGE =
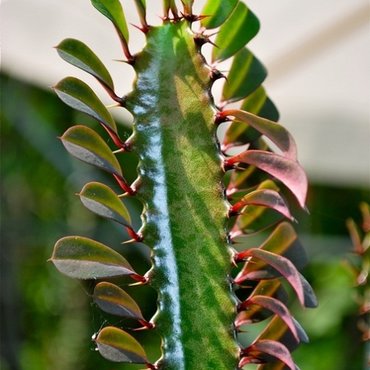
[(123, 184)]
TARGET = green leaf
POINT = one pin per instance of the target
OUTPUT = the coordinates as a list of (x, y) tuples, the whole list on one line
[(217, 11), (116, 345), (83, 258), (288, 171), (113, 10), (260, 104), (114, 300), (79, 95), (236, 32), (141, 8), (80, 55), (86, 145), (246, 74), (277, 133), (103, 201), (278, 330)]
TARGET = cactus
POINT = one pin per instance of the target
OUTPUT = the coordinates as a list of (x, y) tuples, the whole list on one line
[(202, 198)]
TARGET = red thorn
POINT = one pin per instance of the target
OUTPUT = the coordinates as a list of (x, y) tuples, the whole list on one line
[(123, 184), (219, 118), (144, 28), (241, 256), (137, 237), (139, 278)]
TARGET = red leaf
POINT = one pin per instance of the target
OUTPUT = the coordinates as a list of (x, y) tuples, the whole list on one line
[(274, 131), (278, 308), (264, 197), (261, 348), (284, 266), (288, 171)]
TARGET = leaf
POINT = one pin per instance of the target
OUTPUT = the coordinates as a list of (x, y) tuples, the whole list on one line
[(78, 95), (236, 32), (103, 201), (216, 12), (277, 307), (114, 300), (288, 171), (310, 299), (246, 74), (84, 258), (188, 5), (116, 345), (277, 133), (113, 10), (260, 104), (264, 197), (283, 241), (80, 55), (261, 348), (278, 330), (255, 313), (281, 264), (86, 145), (141, 8), (257, 103)]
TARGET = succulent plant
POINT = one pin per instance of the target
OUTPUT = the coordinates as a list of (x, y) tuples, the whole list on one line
[(204, 195)]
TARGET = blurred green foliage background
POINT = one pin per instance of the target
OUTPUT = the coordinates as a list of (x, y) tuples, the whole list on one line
[(47, 320)]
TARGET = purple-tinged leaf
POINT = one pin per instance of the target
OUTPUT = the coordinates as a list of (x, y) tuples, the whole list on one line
[(277, 133), (84, 258), (281, 264), (276, 365), (275, 306), (114, 300), (288, 171), (86, 145), (118, 346), (263, 197), (263, 350), (255, 313), (310, 300), (239, 133)]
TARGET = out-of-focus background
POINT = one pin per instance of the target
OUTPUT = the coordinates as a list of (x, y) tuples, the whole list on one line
[(318, 57)]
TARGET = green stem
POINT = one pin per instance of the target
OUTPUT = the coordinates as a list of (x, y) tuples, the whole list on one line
[(184, 210)]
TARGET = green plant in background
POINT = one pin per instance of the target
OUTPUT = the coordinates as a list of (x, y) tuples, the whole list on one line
[(204, 201), (360, 266)]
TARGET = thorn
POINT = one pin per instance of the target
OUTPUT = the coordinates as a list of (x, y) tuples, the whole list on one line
[(137, 237), (144, 28), (129, 241), (121, 150), (141, 280), (114, 105), (220, 118), (215, 75)]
